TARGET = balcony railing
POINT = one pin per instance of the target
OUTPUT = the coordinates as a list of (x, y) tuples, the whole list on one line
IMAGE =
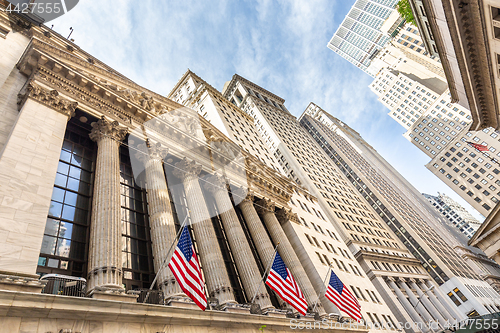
[(64, 285)]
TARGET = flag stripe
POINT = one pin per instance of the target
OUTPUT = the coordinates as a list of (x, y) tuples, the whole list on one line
[(344, 300), (282, 282), (186, 269)]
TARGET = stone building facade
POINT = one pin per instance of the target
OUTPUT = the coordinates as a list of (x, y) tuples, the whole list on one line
[(454, 213), (369, 239), (404, 211), (99, 173), (311, 232)]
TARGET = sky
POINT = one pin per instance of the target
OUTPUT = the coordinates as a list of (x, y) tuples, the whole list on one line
[(278, 44)]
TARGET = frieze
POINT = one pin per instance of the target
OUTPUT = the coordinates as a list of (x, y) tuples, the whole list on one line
[(82, 95), (47, 97)]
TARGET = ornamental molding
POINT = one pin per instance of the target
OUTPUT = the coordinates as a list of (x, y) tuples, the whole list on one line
[(185, 168), (48, 98), (104, 128), (215, 183), (285, 215), (264, 206), (151, 151)]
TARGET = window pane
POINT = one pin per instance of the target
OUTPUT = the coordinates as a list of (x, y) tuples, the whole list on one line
[(60, 180), (68, 213), (51, 227), (77, 251), (63, 168), (66, 229), (48, 245), (63, 246), (55, 209)]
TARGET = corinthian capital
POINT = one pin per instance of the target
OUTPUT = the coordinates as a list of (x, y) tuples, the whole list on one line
[(104, 128), (215, 183), (265, 206), (154, 151), (285, 215), (186, 168)]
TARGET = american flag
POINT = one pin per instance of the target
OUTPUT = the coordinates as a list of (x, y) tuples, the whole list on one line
[(339, 295), (281, 281), (186, 269), (478, 146)]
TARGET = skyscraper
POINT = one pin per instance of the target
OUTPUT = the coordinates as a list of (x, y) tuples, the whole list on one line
[(312, 236), (359, 37), (402, 208), (456, 215), (439, 128), (384, 258)]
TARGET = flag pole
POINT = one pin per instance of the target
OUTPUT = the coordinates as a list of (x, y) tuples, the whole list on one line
[(324, 287), (166, 259), (483, 152), (266, 271)]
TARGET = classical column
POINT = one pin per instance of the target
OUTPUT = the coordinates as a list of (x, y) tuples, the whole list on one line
[(214, 268), (445, 301), (247, 267), (161, 219), (391, 300), (406, 304), (257, 230), (415, 302), (105, 249), (438, 304), (430, 307), (288, 255)]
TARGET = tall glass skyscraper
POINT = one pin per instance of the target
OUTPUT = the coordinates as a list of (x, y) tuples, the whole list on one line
[(359, 36)]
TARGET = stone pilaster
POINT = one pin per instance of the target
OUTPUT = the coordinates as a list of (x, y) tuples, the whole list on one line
[(161, 219), (247, 267), (214, 269), (288, 255), (28, 166), (430, 307), (105, 257)]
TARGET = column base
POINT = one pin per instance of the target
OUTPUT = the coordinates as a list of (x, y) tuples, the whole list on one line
[(29, 284)]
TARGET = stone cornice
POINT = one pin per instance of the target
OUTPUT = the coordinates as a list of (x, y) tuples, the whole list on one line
[(254, 86), (48, 98), (467, 29)]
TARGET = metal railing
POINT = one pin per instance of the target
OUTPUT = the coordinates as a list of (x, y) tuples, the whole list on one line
[(64, 285)]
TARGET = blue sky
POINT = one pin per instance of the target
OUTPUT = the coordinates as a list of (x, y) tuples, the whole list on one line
[(280, 45)]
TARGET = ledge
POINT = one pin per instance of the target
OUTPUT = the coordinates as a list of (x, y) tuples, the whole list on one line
[(33, 306)]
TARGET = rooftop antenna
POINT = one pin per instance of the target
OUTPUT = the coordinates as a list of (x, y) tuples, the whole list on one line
[(71, 28), (51, 27)]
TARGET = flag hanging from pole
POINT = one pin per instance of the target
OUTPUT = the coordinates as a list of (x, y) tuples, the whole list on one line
[(478, 146), (282, 282), (186, 269), (339, 295)]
